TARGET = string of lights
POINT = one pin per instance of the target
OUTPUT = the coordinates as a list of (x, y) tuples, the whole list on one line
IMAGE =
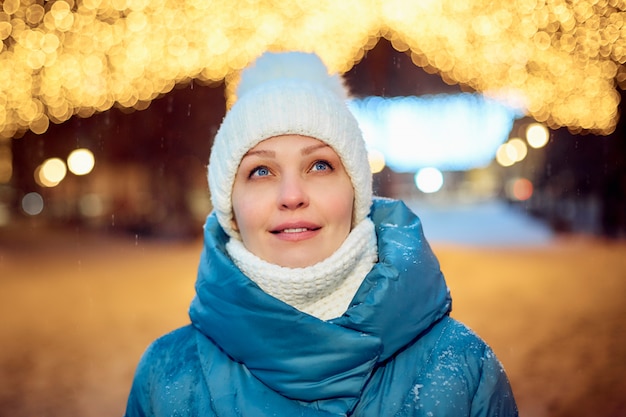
[(559, 61)]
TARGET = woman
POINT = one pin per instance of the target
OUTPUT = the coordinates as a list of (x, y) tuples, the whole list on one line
[(312, 298)]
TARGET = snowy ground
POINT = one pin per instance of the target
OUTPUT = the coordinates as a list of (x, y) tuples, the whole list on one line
[(484, 223), (77, 311)]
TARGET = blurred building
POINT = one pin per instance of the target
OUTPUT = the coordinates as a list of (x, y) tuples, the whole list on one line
[(149, 176)]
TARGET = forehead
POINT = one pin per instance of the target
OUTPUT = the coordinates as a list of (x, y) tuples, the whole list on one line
[(302, 144), (283, 140)]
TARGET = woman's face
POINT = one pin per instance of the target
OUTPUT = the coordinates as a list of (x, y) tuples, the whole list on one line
[(292, 201)]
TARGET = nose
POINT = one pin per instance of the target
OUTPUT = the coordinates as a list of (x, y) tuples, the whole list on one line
[(293, 193)]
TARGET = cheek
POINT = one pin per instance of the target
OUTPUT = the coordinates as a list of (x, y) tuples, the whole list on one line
[(246, 210), (342, 205), (238, 204)]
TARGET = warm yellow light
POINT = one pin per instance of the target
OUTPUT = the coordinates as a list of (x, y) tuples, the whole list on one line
[(506, 155), (52, 172), (559, 61), (80, 161), (520, 148), (41, 180), (537, 135), (376, 160)]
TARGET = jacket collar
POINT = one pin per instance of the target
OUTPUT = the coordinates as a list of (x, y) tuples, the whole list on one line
[(302, 357)]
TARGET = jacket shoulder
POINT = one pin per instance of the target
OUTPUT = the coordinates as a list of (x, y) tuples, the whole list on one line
[(446, 371), (461, 361), (167, 373), (169, 351)]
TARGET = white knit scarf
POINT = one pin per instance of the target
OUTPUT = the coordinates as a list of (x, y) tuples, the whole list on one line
[(323, 290)]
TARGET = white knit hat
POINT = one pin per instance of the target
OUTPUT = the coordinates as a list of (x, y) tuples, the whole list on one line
[(281, 94)]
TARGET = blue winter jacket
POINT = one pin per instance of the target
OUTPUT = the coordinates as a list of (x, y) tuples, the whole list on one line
[(395, 352)]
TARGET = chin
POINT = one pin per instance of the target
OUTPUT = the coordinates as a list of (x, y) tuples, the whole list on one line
[(295, 261)]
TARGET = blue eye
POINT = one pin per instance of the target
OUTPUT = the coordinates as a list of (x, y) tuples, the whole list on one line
[(321, 166), (260, 172)]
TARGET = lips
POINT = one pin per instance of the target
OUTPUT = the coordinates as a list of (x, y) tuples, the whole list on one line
[(294, 229)]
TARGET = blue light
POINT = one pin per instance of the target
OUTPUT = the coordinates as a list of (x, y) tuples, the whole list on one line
[(448, 132)]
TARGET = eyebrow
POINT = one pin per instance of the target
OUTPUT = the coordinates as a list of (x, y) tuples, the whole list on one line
[(271, 154), (310, 149)]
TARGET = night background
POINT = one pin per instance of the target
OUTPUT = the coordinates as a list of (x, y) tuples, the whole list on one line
[(93, 267)]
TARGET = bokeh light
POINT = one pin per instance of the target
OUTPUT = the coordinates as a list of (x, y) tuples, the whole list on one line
[(51, 172), (32, 204), (537, 135), (520, 148), (559, 61), (376, 160), (429, 180), (446, 131), (515, 150), (506, 155), (519, 189), (80, 161)]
